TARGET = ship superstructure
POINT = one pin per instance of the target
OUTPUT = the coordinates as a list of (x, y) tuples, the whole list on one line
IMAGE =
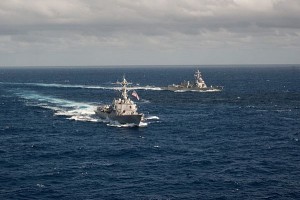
[(198, 85), (122, 110)]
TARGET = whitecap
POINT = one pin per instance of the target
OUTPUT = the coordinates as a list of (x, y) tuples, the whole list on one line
[(40, 185), (152, 117), (284, 110), (144, 101)]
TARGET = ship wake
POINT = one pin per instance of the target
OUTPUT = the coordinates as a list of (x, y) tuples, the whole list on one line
[(58, 85), (72, 110), (209, 90)]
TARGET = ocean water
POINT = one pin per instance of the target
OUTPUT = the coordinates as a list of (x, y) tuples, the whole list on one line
[(241, 143)]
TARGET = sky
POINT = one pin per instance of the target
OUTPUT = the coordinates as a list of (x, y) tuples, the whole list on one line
[(149, 32)]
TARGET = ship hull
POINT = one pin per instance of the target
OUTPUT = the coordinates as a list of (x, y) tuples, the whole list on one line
[(197, 85), (122, 119), (174, 88)]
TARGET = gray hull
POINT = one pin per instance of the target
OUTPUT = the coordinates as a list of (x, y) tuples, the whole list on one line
[(122, 119), (197, 85), (173, 88)]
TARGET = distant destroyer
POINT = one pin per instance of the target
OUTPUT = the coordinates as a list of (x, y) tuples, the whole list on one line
[(122, 110), (197, 85)]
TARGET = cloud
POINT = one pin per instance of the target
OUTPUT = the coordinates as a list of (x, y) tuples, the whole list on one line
[(165, 25)]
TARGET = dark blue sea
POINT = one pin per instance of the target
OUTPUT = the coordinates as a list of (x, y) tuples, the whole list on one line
[(241, 143)]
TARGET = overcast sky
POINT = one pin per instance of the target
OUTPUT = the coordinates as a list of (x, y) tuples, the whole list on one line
[(149, 32)]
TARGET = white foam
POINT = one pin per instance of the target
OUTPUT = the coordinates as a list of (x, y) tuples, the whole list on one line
[(117, 124), (211, 90), (44, 100), (143, 124), (84, 114), (72, 110), (144, 101), (146, 88), (47, 107), (129, 125), (180, 91), (79, 111), (58, 85), (284, 110), (151, 117), (83, 118), (40, 185)]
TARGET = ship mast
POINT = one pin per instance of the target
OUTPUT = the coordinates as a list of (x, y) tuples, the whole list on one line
[(199, 81), (124, 83), (197, 75)]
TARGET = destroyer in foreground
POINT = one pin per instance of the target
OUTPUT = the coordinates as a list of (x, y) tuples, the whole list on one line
[(197, 85), (122, 110)]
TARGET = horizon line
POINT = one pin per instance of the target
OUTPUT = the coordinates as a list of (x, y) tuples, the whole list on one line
[(148, 65)]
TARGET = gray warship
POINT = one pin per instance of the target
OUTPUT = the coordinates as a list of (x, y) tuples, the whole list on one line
[(197, 85), (122, 110)]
